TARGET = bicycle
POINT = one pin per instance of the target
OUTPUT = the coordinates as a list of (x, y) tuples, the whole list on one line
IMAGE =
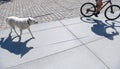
[(112, 12)]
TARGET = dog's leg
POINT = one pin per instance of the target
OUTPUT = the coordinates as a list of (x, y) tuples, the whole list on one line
[(11, 30), (15, 31), (31, 33), (11, 27), (20, 32)]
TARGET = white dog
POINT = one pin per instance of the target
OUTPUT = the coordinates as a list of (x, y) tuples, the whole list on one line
[(21, 23)]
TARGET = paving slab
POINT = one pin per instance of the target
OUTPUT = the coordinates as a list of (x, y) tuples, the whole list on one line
[(63, 38), (83, 59), (107, 51), (71, 43), (50, 38)]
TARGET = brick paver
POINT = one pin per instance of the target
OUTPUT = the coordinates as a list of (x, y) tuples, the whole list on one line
[(43, 10)]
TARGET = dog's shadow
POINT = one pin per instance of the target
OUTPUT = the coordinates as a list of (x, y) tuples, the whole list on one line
[(16, 47)]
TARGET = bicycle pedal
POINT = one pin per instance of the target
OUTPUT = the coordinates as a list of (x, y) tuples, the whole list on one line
[(98, 12), (96, 15)]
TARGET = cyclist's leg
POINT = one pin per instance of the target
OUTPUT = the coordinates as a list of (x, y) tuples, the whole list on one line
[(99, 4)]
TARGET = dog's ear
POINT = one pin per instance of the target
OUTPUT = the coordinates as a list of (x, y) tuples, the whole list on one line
[(29, 19)]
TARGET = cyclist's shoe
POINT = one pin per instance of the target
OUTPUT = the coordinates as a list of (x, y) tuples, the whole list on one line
[(96, 14)]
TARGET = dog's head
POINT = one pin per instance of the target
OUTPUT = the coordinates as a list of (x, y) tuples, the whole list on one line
[(32, 21)]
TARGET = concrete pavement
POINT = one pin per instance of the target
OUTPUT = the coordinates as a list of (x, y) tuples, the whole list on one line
[(63, 39), (77, 43)]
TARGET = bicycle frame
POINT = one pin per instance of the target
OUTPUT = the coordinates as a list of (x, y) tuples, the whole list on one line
[(106, 2)]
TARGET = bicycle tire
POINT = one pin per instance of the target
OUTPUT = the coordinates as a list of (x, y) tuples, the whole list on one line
[(83, 9), (107, 12)]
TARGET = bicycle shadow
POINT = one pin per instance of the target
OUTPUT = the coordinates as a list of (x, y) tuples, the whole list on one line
[(16, 47), (100, 28)]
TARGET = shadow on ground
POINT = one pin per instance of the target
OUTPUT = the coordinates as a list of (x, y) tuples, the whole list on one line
[(16, 47), (102, 29)]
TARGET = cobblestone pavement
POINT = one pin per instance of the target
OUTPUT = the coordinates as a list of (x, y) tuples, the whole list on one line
[(42, 10)]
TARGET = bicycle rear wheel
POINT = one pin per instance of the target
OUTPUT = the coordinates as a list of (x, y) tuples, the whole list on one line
[(112, 12), (87, 9)]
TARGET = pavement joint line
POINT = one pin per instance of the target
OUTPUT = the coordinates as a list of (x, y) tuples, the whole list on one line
[(59, 53), (85, 44), (62, 41), (92, 40), (94, 53), (6, 13), (37, 30), (47, 56), (69, 31), (42, 29), (72, 24), (97, 56), (70, 40), (57, 43), (51, 54), (56, 54), (87, 47)]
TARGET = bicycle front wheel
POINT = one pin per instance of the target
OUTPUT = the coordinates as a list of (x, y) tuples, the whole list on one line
[(87, 9), (112, 12)]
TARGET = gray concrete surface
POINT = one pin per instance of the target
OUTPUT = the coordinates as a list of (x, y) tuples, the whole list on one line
[(63, 39), (76, 43)]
